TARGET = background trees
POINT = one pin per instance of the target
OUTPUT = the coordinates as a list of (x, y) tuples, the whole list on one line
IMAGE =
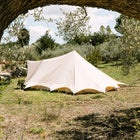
[(45, 42), (14, 29), (130, 41), (23, 37)]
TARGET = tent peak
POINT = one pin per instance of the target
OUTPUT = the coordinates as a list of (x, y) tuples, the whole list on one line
[(74, 52)]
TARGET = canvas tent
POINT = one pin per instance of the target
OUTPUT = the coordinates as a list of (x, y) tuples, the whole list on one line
[(70, 73)]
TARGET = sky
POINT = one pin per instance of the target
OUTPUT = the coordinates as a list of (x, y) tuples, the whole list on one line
[(97, 16)]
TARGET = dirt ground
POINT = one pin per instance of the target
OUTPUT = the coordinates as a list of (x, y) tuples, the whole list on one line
[(111, 116)]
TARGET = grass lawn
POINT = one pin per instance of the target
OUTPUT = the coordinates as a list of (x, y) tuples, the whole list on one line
[(38, 115)]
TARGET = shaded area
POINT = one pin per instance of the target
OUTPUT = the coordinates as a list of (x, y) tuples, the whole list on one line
[(122, 124)]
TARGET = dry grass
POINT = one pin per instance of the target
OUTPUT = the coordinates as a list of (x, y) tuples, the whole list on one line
[(37, 115)]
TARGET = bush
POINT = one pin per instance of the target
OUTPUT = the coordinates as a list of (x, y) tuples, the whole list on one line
[(17, 53), (18, 72), (83, 50), (21, 84), (94, 57), (4, 80), (45, 42), (110, 51)]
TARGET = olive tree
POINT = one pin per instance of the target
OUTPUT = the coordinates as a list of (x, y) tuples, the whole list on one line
[(74, 24), (130, 46)]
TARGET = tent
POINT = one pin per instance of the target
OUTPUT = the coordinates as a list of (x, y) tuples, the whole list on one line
[(69, 73)]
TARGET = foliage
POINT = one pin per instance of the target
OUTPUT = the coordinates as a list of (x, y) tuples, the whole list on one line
[(80, 39), (9, 52), (110, 51), (104, 35), (21, 83), (83, 50), (1, 132), (130, 46), (12, 52), (124, 48), (98, 38), (106, 30), (74, 24), (36, 130), (18, 72), (46, 42), (94, 57), (13, 32), (16, 53), (15, 58), (14, 28), (118, 26), (23, 37), (4, 80)]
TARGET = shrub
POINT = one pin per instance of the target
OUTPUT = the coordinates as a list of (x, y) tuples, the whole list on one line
[(4, 80), (21, 84), (83, 50), (94, 57), (45, 42), (18, 72), (36, 130), (110, 51)]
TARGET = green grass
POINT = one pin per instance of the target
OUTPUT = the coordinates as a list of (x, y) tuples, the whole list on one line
[(36, 130), (115, 72), (40, 114)]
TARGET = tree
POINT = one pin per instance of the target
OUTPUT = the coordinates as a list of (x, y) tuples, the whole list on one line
[(23, 37), (102, 29), (14, 30), (94, 57), (74, 24), (130, 46), (45, 42), (104, 35), (108, 29), (97, 38), (110, 50), (118, 26), (80, 39)]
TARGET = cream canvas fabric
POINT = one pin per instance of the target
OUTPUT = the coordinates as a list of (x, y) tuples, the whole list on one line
[(70, 73)]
